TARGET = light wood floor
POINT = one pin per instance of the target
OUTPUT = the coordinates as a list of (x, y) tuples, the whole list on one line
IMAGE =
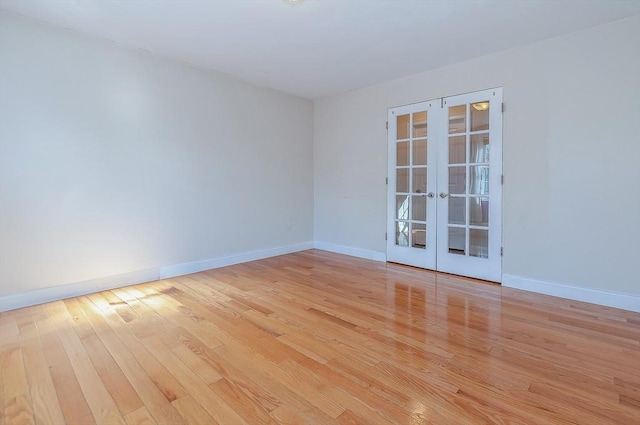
[(319, 338)]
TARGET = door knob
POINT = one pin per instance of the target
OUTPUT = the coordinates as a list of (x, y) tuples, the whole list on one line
[(443, 195), (430, 195)]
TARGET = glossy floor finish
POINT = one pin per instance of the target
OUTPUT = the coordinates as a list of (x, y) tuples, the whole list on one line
[(319, 338)]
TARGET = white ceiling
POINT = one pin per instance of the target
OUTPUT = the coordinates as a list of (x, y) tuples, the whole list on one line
[(321, 47)]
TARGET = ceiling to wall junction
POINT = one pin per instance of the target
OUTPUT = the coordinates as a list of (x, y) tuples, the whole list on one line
[(317, 48)]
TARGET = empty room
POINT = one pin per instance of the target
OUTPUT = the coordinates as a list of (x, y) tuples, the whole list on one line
[(319, 212)]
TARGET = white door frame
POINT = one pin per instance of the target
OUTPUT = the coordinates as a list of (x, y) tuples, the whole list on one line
[(468, 263)]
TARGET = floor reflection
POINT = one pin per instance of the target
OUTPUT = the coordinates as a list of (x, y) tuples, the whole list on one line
[(446, 314)]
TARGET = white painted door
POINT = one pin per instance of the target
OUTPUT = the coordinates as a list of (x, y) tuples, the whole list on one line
[(470, 185), (463, 222), (411, 200)]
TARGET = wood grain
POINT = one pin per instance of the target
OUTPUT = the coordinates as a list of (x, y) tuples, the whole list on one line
[(319, 338)]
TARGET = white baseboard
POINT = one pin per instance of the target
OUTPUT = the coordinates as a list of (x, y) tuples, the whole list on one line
[(354, 252), (594, 296), (228, 260), (60, 292), (54, 293)]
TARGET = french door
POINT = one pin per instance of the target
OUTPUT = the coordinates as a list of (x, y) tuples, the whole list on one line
[(444, 207)]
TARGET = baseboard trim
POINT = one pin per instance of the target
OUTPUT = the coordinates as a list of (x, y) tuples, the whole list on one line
[(354, 252), (55, 293), (229, 260), (60, 292), (594, 296)]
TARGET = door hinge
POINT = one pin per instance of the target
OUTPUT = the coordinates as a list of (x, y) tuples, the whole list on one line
[(441, 102), (502, 179), (502, 106), (501, 251), (385, 236), (387, 125), (386, 180)]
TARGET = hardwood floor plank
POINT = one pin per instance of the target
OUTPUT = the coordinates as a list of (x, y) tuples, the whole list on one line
[(356, 395), (310, 386), (193, 412), (265, 375), (9, 332), (13, 374), (46, 407), (18, 410), (153, 396), (2, 400), (244, 404), (196, 387), (170, 387), (102, 406), (70, 396), (349, 418), (111, 376), (17, 405), (600, 412), (159, 300), (284, 416), (140, 416), (319, 338), (190, 350)]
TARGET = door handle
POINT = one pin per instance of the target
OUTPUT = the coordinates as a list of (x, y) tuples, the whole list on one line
[(443, 195), (430, 195)]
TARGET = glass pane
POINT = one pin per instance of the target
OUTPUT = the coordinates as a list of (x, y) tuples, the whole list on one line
[(402, 154), (457, 180), (479, 180), (402, 127), (419, 236), (402, 207), (420, 152), (420, 124), (457, 148), (402, 180), (402, 233), (419, 205), (480, 116), (479, 211), (457, 210), (457, 240), (479, 243), (419, 180), (457, 119), (479, 148)]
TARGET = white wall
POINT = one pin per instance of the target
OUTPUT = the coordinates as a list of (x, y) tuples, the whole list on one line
[(571, 152), (113, 161)]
